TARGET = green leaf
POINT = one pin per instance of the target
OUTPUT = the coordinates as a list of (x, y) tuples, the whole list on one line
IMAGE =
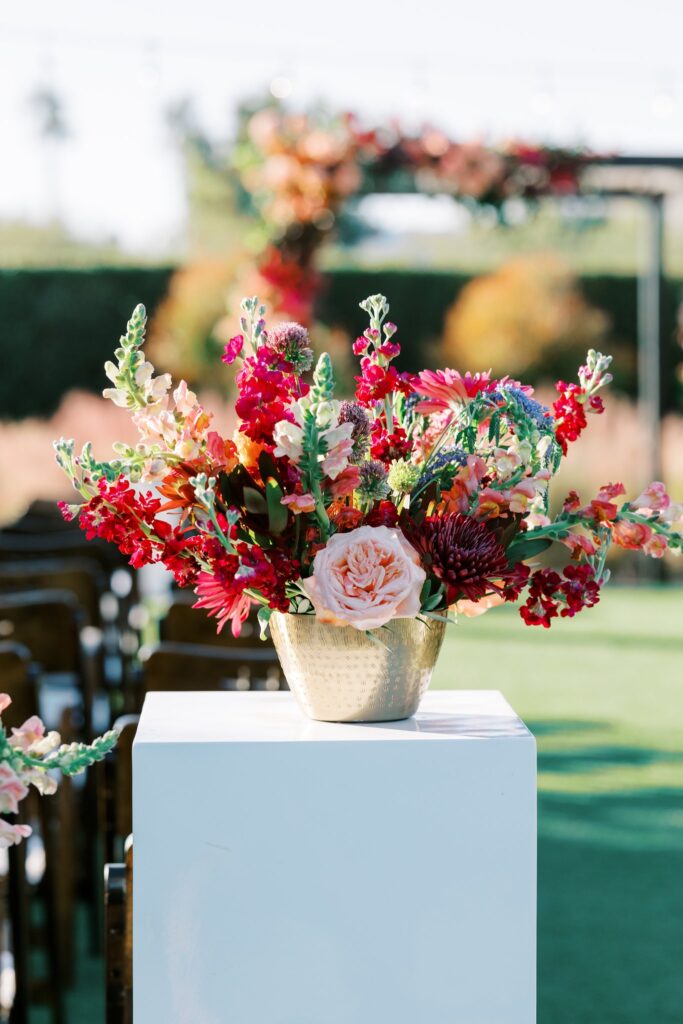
[(268, 467), (522, 549), (254, 501), (277, 512), (434, 601)]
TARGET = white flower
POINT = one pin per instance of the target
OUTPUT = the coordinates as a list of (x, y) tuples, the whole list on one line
[(289, 440)]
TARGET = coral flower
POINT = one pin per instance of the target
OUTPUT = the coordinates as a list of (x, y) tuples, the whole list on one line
[(630, 535)]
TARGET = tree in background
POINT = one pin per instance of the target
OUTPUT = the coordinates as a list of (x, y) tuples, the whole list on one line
[(528, 314)]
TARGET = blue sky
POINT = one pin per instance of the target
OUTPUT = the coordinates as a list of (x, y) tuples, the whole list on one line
[(601, 72)]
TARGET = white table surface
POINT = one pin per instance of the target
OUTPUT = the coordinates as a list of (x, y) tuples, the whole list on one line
[(297, 872)]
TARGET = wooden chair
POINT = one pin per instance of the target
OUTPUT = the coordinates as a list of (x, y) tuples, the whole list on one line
[(175, 666), (118, 943), (18, 675), (48, 623), (82, 577), (116, 793), (187, 625), (41, 516)]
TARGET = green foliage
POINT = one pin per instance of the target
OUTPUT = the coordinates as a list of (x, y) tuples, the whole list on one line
[(57, 330), (57, 325)]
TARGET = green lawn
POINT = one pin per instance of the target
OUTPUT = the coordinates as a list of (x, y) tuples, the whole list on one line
[(604, 696)]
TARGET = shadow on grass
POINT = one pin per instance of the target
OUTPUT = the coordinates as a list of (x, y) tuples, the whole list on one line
[(611, 907), (617, 641), (610, 890), (588, 759)]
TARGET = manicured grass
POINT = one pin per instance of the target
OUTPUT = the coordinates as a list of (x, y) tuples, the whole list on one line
[(604, 696)]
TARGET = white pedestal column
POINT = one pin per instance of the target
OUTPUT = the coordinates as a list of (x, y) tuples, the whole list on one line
[(297, 872)]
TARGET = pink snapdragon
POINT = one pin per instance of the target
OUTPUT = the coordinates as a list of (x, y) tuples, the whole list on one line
[(653, 499), (12, 790)]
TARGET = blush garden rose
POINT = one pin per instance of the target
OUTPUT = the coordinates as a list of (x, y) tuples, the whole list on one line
[(365, 578)]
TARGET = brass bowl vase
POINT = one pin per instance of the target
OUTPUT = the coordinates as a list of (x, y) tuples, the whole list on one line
[(338, 674)]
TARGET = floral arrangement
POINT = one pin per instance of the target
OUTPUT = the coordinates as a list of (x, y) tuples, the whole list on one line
[(421, 495), (28, 757), (298, 170)]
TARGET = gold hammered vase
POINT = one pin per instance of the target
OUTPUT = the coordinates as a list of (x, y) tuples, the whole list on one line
[(338, 674)]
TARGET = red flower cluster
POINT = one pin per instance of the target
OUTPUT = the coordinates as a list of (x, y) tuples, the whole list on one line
[(551, 595), (570, 412), (223, 592), (376, 382), (119, 515), (384, 514), (127, 519), (387, 447), (266, 387)]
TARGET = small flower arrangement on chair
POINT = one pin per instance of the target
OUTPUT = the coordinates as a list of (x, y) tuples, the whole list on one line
[(358, 526)]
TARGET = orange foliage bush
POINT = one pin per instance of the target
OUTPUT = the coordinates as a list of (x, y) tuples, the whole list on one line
[(515, 319)]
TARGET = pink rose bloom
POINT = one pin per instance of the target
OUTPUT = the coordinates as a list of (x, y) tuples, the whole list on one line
[(365, 578)]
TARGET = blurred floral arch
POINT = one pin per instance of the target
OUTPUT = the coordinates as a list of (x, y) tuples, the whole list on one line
[(294, 177)]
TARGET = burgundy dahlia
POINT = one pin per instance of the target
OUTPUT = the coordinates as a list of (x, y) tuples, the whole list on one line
[(463, 554)]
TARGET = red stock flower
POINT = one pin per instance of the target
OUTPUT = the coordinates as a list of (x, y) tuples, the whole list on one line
[(119, 515), (551, 595), (570, 412), (383, 514), (387, 447), (233, 349), (376, 382), (266, 389)]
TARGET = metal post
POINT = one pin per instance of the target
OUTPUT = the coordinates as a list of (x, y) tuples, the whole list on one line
[(649, 316)]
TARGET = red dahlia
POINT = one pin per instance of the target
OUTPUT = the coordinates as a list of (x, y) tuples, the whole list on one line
[(463, 554)]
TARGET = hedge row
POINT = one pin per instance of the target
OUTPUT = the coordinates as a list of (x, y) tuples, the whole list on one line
[(58, 326)]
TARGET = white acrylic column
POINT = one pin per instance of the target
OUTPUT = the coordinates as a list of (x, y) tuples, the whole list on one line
[(297, 872)]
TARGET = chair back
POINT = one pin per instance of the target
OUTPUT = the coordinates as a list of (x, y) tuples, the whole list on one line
[(187, 625), (48, 623), (18, 680), (117, 791), (175, 666), (82, 577)]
